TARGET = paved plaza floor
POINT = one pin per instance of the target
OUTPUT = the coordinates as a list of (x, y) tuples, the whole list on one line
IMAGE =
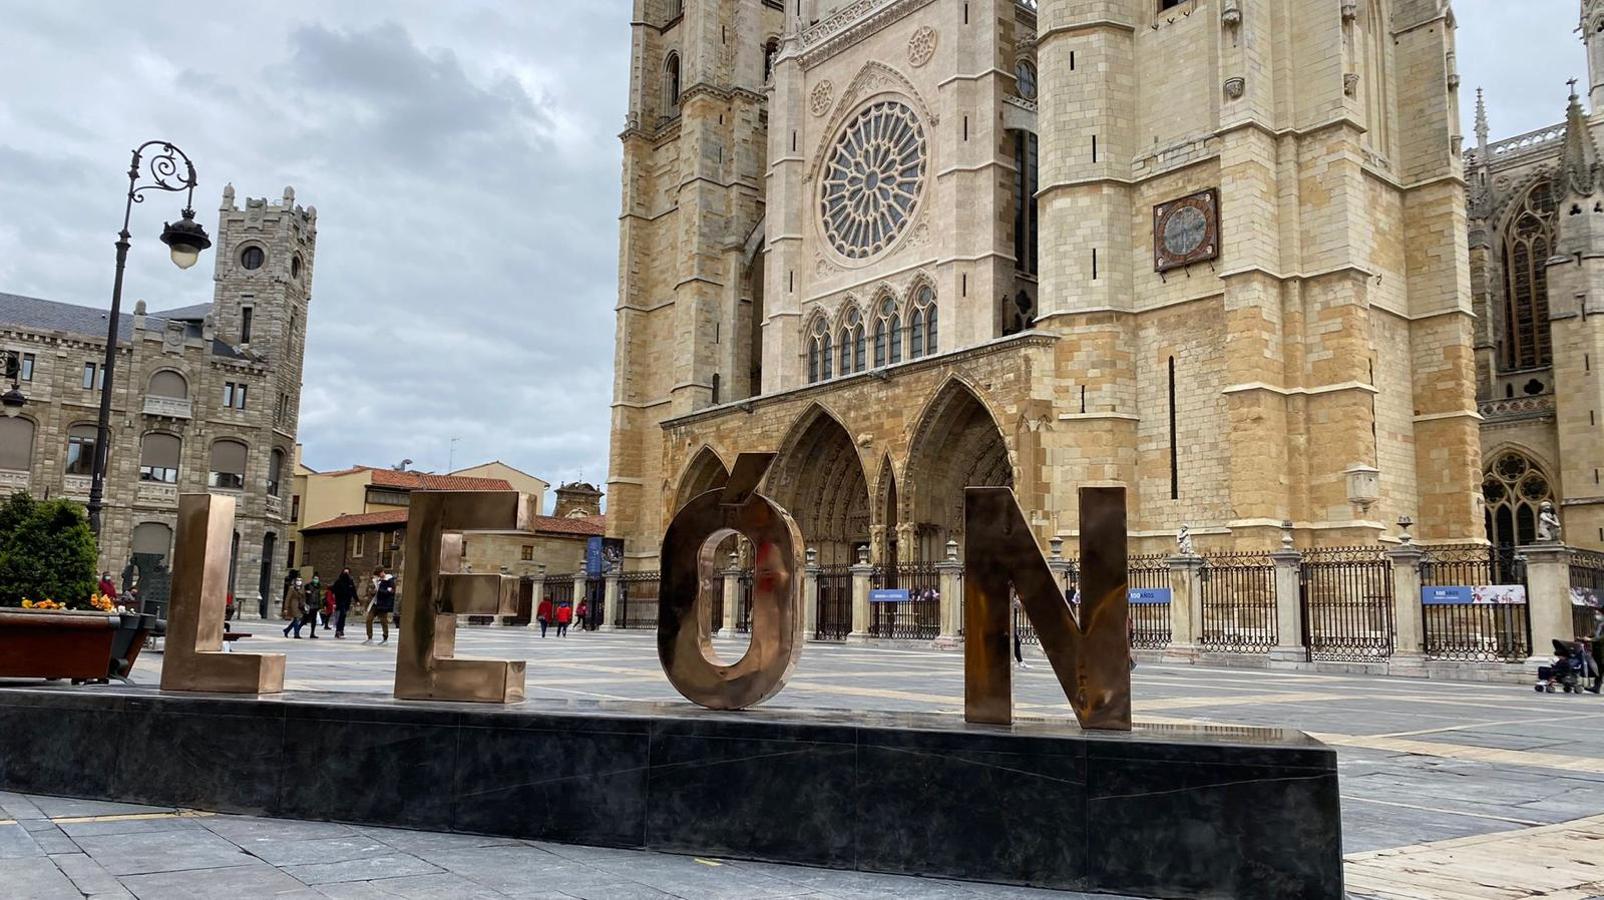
[(1449, 790)]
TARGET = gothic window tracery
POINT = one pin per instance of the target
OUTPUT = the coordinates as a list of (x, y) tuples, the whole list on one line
[(851, 341), (671, 83), (872, 180), (1528, 242), (922, 324), (888, 334), (1515, 488), (819, 362)]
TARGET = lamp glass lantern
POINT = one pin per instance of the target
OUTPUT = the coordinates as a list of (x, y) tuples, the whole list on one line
[(186, 238)]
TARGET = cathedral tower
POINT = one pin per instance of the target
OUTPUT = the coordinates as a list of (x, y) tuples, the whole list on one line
[(691, 287)]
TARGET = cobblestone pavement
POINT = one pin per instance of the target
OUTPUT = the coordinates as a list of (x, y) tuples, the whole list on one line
[(1449, 790)]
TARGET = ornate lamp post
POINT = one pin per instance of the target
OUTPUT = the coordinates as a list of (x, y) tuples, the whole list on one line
[(169, 170)]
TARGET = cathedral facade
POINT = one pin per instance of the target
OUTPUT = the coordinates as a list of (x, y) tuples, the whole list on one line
[(205, 398), (1211, 250), (1537, 262)]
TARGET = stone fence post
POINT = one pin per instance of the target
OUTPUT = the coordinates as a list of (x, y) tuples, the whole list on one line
[(950, 571), (1548, 598), (581, 584), (731, 598), (1289, 649), (1186, 608), (862, 573), (810, 595), (1409, 618), (610, 593)]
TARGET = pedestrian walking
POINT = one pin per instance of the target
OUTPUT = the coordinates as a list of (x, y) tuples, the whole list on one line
[(582, 616), (383, 604), (1019, 658), (288, 606), (543, 614), (565, 615), (1598, 651), (294, 599), (108, 588), (327, 604), (344, 592), (314, 594)]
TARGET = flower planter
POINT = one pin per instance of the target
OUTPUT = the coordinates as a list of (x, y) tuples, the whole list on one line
[(57, 644)]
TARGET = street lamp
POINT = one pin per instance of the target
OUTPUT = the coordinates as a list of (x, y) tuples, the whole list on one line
[(169, 169), (13, 401)]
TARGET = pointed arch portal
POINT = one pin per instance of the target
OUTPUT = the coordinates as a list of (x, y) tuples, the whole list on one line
[(957, 445), (819, 478)]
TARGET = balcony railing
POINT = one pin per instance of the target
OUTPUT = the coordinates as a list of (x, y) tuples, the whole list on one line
[(171, 407), (275, 506), (13, 480), (77, 485), (1517, 407)]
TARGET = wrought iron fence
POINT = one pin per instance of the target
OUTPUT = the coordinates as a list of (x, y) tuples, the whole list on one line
[(595, 601), (743, 601), (834, 619), (919, 617), (637, 600), (1239, 603), (1348, 611), (559, 590), (1482, 631), (1587, 589), (715, 606), (1150, 622)]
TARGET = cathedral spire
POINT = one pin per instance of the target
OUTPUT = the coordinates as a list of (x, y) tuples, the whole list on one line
[(1481, 123), (1581, 157)]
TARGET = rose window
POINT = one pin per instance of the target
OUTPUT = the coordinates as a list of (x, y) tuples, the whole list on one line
[(872, 180)]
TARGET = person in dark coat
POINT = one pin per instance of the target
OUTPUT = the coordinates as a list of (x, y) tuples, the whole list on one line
[(383, 605), (344, 595)]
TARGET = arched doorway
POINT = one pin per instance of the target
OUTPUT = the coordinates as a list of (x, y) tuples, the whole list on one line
[(956, 445), (148, 565), (265, 583), (819, 478), (705, 473)]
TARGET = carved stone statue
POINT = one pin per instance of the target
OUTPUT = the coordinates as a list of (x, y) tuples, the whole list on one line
[(1548, 526), (1183, 542)]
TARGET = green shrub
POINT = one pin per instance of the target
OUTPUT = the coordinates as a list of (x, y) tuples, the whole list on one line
[(46, 552)]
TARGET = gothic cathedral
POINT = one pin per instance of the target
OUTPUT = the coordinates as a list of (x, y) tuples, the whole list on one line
[(1212, 250)]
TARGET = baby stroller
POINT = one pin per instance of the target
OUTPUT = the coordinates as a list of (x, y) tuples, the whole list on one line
[(1572, 664)]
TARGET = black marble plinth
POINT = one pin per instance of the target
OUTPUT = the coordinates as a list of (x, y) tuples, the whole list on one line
[(1161, 812)]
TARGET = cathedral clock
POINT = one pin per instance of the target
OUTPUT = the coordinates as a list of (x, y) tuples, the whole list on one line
[(1186, 231)]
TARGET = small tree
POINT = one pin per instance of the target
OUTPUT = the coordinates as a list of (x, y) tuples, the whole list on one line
[(46, 552)]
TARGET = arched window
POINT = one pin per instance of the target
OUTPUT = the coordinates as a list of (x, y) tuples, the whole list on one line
[(275, 471), (158, 458), (851, 340), (1528, 242), (671, 83), (1515, 488), (922, 324), (1025, 79), (818, 350), (676, 8), (770, 51), (888, 334), (152, 540), (168, 383), (16, 444), (228, 465), (81, 449)]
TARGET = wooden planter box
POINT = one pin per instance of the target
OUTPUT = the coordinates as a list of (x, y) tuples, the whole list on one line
[(57, 644)]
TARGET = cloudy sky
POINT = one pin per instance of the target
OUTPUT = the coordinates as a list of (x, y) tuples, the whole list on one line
[(464, 162)]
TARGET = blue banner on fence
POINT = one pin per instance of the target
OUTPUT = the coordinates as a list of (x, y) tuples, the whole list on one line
[(889, 595), (1474, 595), (1150, 596), (593, 556)]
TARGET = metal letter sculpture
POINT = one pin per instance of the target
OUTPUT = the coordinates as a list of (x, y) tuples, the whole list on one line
[(1090, 653), (437, 591), (690, 584), (194, 659)]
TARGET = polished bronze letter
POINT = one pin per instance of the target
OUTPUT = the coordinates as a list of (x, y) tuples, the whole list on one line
[(1089, 654), (437, 591), (690, 583), (194, 659)]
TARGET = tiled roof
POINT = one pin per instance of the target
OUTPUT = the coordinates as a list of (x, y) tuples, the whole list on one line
[(426, 481), (187, 313), (361, 520), (70, 318), (588, 526)]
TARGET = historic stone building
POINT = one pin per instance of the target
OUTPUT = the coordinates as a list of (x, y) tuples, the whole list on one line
[(205, 398), (1537, 265), (1212, 250)]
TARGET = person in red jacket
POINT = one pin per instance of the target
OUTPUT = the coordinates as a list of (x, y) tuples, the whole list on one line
[(543, 615), (565, 614)]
